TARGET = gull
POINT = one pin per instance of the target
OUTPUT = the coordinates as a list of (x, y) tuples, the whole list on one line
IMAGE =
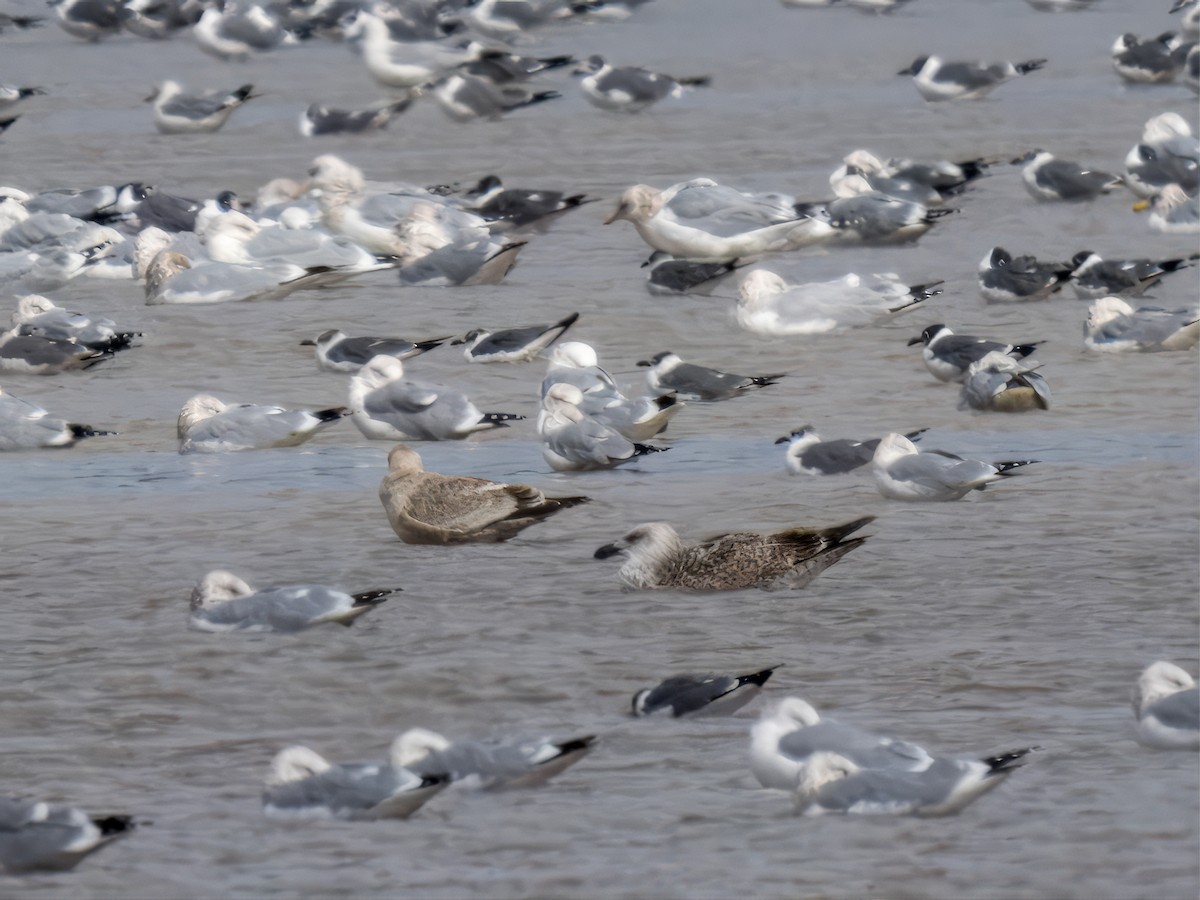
[(39, 836), (945, 177), (465, 98), (849, 180), (1166, 703), (701, 695), (1000, 383), (477, 260), (178, 113), (488, 765), (948, 356), (172, 277), (656, 557), (1172, 211), (88, 20), (937, 80), (41, 317), (207, 425), (668, 275), (519, 344), (630, 88), (1112, 325), (222, 602), (1048, 178), (26, 426), (701, 219), (1168, 153), (1191, 68), (870, 217), (902, 472), (506, 20), (158, 19), (302, 784), (11, 94), (808, 454), (573, 441), (35, 355), (386, 407), (400, 64), (668, 372), (338, 352), (237, 31), (1095, 277), (768, 305), (519, 207), (1189, 21), (1147, 62), (317, 119), (1004, 278), (501, 67), (428, 508), (9, 21)]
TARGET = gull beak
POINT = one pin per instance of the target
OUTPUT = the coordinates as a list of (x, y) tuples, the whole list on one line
[(783, 440), (607, 550), (308, 343), (917, 340), (645, 362), (1141, 206), (619, 213)]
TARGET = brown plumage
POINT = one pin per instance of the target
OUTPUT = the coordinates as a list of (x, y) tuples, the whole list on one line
[(428, 508)]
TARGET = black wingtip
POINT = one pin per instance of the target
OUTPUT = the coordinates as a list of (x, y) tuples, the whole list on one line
[(329, 415), (496, 418), (113, 825), (643, 449), (86, 431), (1005, 762), (373, 597), (758, 678), (1031, 65), (576, 744), (1007, 466)]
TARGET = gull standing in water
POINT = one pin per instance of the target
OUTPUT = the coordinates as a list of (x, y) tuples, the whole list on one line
[(701, 695), (902, 472), (1166, 703), (222, 602)]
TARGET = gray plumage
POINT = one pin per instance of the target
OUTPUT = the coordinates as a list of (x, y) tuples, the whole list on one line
[(701, 695), (1000, 383), (1004, 278), (519, 207), (467, 97), (874, 218), (488, 765), (948, 356), (25, 426), (519, 344), (39, 836), (176, 112), (668, 275), (35, 355), (902, 472), (1166, 705), (629, 88), (337, 352), (670, 373), (1095, 277), (208, 425), (574, 441), (808, 454), (41, 317), (318, 120), (223, 602), (1047, 178), (1112, 325), (463, 262)]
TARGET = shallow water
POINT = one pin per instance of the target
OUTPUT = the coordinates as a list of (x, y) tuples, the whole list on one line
[(1014, 617)]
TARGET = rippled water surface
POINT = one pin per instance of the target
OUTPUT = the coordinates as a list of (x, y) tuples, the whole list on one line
[(1014, 617)]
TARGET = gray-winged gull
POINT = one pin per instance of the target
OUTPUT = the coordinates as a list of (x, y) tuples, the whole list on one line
[(318, 119), (519, 207), (630, 88), (237, 31), (302, 784), (176, 112), (223, 602), (89, 20), (1172, 211), (1002, 384), (519, 344), (573, 441), (902, 472), (488, 765), (1168, 153), (25, 426), (1095, 277), (669, 275), (467, 97), (709, 694), (11, 94), (40, 316), (400, 64), (338, 352), (937, 80), (208, 425), (1004, 278), (656, 557), (1112, 325), (1166, 704), (670, 373), (948, 356), (36, 355), (1151, 61), (428, 508), (871, 217), (808, 454), (1048, 178), (39, 836)]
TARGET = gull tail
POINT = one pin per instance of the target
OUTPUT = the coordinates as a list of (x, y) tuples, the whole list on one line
[(332, 414), (931, 214), (925, 291), (426, 346), (1006, 762), (497, 420), (244, 93), (695, 81), (554, 62), (1008, 465), (373, 597), (643, 449), (916, 435), (1172, 265), (757, 678), (98, 357), (666, 401), (84, 431), (766, 380), (111, 826), (1030, 65)]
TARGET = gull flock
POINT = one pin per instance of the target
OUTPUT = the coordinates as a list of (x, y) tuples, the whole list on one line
[(328, 226)]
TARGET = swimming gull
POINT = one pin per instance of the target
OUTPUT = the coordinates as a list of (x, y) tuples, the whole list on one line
[(1112, 325), (11, 94), (223, 602), (871, 217), (400, 64), (1168, 153), (1172, 211), (428, 508), (387, 407), (89, 20), (25, 426), (808, 454), (1166, 703), (948, 356), (304, 785), (668, 372), (669, 275), (709, 694), (502, 67), (176, 112), (234, 237), (1047, 178), (1000, 383), (1152, 61), (938, 80), (207, 425), (769, 305), (1004, 278), (630, 88), (40, 316), (237, 31), (36, 355), (942, 176), (1095, 277), (848, 180), (573, 441), (39, 836), (465, 98), (519, 207), (338, 352), (902, 472), (519, 344), (656, 557), (318, 119), (491, 764)]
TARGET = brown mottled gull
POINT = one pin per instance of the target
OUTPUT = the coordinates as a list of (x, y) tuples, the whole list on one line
[(657, 558), (428, 508)]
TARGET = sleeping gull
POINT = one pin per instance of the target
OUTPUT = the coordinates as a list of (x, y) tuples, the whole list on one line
[(1112, 325), (669, 275), (1095, 277), (1153, 61), (304, 785), (1000, 383), (808, 454), (488, 765), (701, 695), (1004, 278), (387, 407), (1166, 703), (237, 31), (670, 373), (39, 836), (208, 425), (502, 67), (942, 176), (948, 356), (937, 80), (89, 20), (656, 557), (338, 352), (902, 472), (871, 217), (36, 355), (25, 426), (222, 602), (428, 508), (1168, 153), (519, 344), (573, 441), (317, 119), (178, 113), (1172, 211), (1047, 178), (42, 317), (629, 88)]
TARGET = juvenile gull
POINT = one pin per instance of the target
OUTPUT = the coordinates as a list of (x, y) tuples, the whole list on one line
[(629, 88), (948, 356), (1166, 703), (670, 373), (318, 120), (489, 765), (1000, 383), (25, 426), (902, 472), (208, 425), (36, 355), (656, 557), (1004, 278), (178, 113), (428, 508), (937, 80), (701, 695), (39, 836), (1048, 178), (387, 407), (304, 785), (222, 602), (1112, 325), (1095, 277), (807, 454), (573, 441), (338, 352), (519, 344)]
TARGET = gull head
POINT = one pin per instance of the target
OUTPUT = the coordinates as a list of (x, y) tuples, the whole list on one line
[(823, 767), (404, 460), (648, 548), (378, 371), (414, 745), (662, 362), (218, 587), (638, 204), (893, 447), (758, 286), (295, 763), (929, 335), (1160, 679), (1103, 311), (574, 354), (196, 410)]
